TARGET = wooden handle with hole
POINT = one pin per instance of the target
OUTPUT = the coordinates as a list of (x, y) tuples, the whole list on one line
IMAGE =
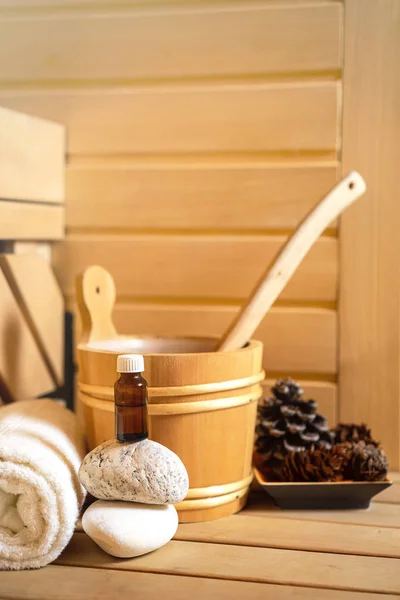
[(288, 259), (95, 297)]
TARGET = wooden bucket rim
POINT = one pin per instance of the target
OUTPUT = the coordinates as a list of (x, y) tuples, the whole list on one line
[(249, 347)]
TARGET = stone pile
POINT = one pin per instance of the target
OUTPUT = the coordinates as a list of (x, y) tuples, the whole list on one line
[(137, 485)]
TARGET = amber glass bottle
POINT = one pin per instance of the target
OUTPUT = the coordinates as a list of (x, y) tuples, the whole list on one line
[(130, 395)]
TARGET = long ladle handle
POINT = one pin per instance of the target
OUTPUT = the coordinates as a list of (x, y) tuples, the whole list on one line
[(288, 259)]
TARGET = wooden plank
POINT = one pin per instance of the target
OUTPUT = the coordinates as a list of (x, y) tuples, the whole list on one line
[(40, 299), (31, 221), (72, 583), (295, 534), (370, 244), (194, 266), (31, 158), (191, 118), (295, 339), (22, 368), (239, 563), (195, 196), (204, 41), (89, 4), (378, 514)]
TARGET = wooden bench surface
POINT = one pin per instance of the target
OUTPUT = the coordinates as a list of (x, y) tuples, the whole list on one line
[(262, 552)]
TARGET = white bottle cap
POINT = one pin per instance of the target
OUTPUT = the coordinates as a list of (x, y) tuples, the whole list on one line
[(130, 363)]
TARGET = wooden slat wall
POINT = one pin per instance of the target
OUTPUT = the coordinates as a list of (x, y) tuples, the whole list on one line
[(263, 117), (198, 137), (155, 44), (14, 6), (201, 266), (189, 195), (370, 243)]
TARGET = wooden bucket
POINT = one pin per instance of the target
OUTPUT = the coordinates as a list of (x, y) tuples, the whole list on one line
[(202, 405)]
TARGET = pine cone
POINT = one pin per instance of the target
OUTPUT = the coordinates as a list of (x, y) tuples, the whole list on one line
[(287, 390), (314, 464), (349, 432), (367, 463), (287, 423)]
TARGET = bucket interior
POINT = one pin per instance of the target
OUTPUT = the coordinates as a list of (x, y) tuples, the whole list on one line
[(154, 345)]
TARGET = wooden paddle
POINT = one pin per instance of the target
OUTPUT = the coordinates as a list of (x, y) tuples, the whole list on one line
[(288, 259), (95, 298)]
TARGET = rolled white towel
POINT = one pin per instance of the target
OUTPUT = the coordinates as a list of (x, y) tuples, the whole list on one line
[(41, 448)]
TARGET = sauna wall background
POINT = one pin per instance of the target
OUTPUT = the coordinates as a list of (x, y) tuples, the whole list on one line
[(199, 134)]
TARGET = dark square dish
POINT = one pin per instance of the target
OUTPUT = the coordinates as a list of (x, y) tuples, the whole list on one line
[(323, 496)]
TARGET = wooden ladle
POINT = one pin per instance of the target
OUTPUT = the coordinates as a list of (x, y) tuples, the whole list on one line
[(288, 259)]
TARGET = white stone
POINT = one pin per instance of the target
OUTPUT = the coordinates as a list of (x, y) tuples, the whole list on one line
[(128, 529), (144, 472)]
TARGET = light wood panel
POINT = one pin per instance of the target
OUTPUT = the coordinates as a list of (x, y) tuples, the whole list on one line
[(190, 266), (370, 242), (31, 158), (204, 41), (288, 567), (73, 583), (22, 368), (191, 118), (296, 534), (31, 221), (195, 196), (90, 4), (34, 287)]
